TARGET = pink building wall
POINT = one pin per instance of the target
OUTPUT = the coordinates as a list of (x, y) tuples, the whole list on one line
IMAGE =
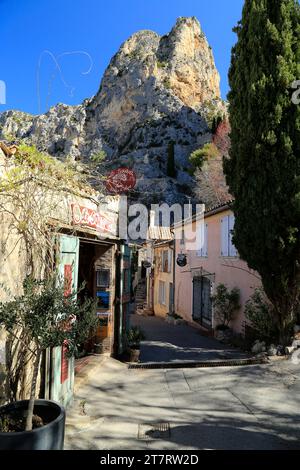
[(228, 270)]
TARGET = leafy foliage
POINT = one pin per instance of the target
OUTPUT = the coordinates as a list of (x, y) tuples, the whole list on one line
[(259, 312), (135, 336), (226, 303), (199, 156), (263, 171), (47, 318), (99, 157)]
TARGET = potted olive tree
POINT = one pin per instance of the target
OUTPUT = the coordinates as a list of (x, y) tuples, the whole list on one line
[(134, 338), (47, 317)]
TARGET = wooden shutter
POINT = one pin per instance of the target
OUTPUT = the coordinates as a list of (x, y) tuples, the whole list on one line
[(232, 249), (225, 236)]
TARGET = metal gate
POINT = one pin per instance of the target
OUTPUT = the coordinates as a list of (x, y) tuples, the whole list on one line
[(202, 306)]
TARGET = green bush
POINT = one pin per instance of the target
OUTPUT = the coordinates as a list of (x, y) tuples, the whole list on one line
[(226, 303), (47, 317), (199, 156), (259, 312), (135, 336), (161, 64), (98, 157)]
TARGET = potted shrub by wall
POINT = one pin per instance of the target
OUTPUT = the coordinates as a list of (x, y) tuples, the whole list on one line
[(134, 338), (47, 318)]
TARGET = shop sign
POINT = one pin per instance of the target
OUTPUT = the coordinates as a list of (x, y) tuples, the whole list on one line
[(87, 217), (181, 260)]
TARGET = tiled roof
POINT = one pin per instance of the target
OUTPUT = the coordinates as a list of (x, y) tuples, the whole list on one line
[(159, 233)]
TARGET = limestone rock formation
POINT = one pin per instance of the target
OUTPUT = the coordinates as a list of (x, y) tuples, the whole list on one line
[(155, 91)]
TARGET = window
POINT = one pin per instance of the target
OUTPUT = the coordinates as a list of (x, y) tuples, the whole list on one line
[(103, 277), (162, 293), (227, 247), (202, 240), (166, 261)]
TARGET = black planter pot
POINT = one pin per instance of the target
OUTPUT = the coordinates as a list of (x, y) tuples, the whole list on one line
[(48, 437)]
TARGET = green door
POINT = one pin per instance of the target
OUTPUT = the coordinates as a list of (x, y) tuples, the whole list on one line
[(62, 370)]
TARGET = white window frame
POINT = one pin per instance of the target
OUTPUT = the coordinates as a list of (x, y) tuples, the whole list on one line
[(228, 249)]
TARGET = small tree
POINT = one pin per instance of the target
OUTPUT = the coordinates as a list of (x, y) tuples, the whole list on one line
[(226, 303), (199, 156), (47, 317), (259, 312)]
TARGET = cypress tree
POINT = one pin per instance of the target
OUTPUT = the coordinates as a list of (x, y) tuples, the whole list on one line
[(171, 169), (263, 169)]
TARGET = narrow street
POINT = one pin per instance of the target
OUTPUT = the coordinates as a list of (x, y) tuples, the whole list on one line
[(166, 342), (249, 407)]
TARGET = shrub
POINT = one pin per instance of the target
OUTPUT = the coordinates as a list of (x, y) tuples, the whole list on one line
[(161, 65), (259, 312), (199, 156), (47, 317), (226, 303), (135, 336), (98, 157)]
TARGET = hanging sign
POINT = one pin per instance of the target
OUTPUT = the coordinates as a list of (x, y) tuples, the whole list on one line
[(121, 180), (181, 260)]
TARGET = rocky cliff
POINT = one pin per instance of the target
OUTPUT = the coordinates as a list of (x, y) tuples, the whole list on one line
[(156, 92)]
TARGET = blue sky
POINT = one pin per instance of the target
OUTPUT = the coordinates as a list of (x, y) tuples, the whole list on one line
[(82, 36)]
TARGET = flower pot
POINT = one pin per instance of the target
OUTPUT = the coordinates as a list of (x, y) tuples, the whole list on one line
[(47, 437), (134, 354)]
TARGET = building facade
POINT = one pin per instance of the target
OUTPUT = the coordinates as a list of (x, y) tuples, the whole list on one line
[(216, 261), (163, 279), (88, 253)]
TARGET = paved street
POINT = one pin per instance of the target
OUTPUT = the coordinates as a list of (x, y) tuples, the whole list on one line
[(249, 407), (171, 343)]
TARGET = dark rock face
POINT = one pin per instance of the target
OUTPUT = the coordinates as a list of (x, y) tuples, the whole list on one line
[(155, 91)]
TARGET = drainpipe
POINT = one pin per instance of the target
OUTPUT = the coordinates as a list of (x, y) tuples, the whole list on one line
[(174, 266), (117, 306)]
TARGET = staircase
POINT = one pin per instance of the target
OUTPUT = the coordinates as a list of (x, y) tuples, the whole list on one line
[(141, 307)]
